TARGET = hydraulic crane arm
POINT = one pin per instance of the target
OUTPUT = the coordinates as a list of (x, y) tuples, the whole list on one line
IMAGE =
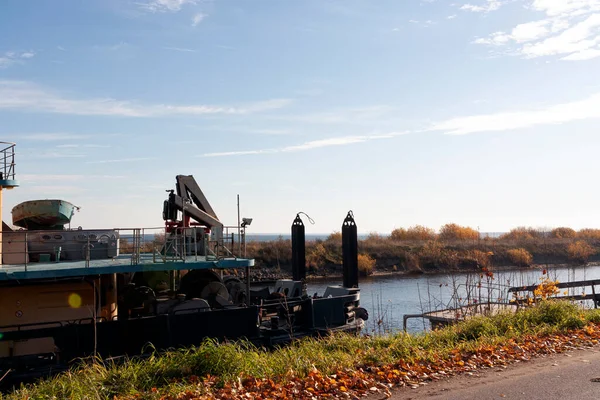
[(196, 205)]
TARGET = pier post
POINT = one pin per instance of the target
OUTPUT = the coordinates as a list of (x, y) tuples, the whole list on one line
[(350, 251), (298, 250)]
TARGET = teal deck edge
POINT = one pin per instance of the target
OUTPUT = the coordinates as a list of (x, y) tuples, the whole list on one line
[(8, 183), (65, 269)]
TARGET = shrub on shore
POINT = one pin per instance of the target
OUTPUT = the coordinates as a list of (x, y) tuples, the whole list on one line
[(418, 248), (520, 257), (563, 233), (416, 232), (580, 251), (450, 232), (589, 234), (366, 264), (522, 233)]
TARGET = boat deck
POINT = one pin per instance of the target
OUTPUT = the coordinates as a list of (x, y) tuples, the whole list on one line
[(121, 264)]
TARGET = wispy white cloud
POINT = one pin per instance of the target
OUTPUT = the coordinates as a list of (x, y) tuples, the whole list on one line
[(86, 146), (50, 177), (19, 95), (164, 5), (121, 160), (54, 154), (197, 18), (314, 144), (13, 57), (485, 7), (224, 47), (44, 178), (182, 49), (50, 137), (242, 129), (239, 153), (342, 115), (113, 47), (585, 109), (571, 31), (53, 190), (583, 55), (425, 24)]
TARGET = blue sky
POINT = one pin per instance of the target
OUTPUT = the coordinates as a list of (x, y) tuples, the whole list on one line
[(482, 112)]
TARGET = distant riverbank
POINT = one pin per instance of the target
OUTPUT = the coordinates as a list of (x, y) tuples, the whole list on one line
[(418, 250)]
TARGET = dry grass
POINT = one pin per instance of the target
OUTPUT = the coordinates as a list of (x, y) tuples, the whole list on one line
[(523, 233), (451, 232), (366, 264), (416, 232), (171, 374), (589, 234), (580, 251), (563, 233), (520, 257), (419, 249)]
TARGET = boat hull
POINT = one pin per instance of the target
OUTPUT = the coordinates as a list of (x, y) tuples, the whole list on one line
[(43, 214), (113, 337)]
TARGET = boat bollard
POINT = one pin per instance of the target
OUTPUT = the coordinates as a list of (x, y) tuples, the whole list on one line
[(298, 250), (350, 251)]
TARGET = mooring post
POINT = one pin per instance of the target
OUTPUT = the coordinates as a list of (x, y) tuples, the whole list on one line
[(350, 251), (298, 250)]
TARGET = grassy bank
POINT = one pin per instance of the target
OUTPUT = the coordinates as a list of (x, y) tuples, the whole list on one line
[(422, 250), (332, 366)]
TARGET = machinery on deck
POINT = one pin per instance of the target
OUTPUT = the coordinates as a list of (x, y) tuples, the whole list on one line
[(70, 293)]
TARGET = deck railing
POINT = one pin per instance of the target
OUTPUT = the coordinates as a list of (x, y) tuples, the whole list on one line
[(7, 161), (575, 290), (125, 245)]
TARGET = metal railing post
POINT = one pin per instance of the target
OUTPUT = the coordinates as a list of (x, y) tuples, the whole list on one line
[(183, 253), (195, 244), (87, 253), (26, 252)]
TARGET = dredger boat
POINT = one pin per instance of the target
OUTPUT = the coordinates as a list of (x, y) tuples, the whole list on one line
[(69, 292)]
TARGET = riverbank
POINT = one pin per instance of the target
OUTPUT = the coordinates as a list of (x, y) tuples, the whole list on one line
[(336, 366), (389, 255), (409, 274)]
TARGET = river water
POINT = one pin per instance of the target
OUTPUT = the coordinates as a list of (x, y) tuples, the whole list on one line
[(388, 298)]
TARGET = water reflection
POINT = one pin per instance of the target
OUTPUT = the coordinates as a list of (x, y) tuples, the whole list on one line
[(388, 298)]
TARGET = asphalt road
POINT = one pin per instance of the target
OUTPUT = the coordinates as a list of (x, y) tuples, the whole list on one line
[(565, 376)]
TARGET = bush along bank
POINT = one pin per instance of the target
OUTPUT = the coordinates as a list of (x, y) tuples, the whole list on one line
[(338, 366), (421, 250)]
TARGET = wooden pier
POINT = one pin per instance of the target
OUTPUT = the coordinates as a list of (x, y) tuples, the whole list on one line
[(523, 295), (441, 318)]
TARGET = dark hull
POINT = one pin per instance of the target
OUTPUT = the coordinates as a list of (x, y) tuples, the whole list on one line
[(136, 336)]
